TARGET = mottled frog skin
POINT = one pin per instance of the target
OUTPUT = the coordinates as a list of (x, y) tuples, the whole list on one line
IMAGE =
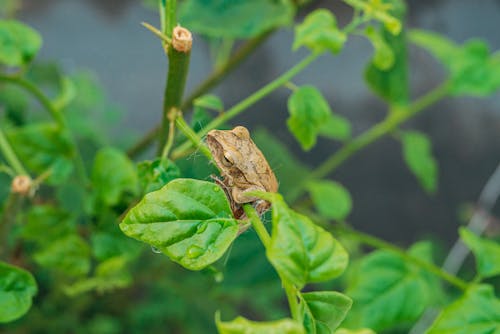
[(242, 165)]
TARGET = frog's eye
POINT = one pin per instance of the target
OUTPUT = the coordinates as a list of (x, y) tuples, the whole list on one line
[(227, 161)]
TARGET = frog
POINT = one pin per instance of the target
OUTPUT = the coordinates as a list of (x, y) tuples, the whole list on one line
[(243, 167)]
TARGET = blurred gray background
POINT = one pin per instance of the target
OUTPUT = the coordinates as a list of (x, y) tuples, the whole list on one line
[(107, 38)]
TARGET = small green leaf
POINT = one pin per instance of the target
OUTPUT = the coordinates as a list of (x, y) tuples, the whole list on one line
[(300, 250), (66, 95), (385, 11), (319, 33), (17, 288), (70, 255), (41, 147), (389, 291), (113, 176), (477, 311), (383, 59), (209, 101), (154, 174), (323, 311), (474, 71), (235, 18), (331, 199), (417, 153), (241, 325), (308, 113), (188, 220), (387, 72), (487, 253), (336, 127), (18, 43)]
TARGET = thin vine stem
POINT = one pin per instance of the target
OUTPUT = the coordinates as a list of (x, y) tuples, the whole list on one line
[(183, 149), (384, 245), (265, 238), (391, 122), (38, 94), (10, 155), (194, 139)]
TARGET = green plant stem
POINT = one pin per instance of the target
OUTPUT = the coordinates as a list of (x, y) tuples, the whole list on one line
[(381, 244), (178, 65), (170, 15), (170, 139), (265, 238), (10, 156), (192, 136), (391, 122), (213, 79), (38, 94), (250, 100)]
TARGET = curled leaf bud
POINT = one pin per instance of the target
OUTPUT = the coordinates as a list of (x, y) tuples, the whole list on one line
[(21, 185), (182, 40)]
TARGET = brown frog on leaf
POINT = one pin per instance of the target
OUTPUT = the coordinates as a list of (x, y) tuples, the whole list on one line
[(243, 167)]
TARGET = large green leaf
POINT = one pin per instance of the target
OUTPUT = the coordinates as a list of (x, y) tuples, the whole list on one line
[(473, 70), (323, 311), (17, 288), (308, 112), (487, 253), (241, 325), (235, 18), (319, 32), (188, 220), (41, 147), (417, 153), (154, 174), (18, 43), (69, 255), (477, 312), (389, 291), (113, 175), (387, 72), (301, 251), (330, 198)]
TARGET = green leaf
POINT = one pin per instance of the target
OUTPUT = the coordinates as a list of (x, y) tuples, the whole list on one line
[(235, 18), (385, 11), (17, 288), (387, 72), (70, 255), (154, 174), (188, 220), (18, 43), (383, 59), (41, 147), (477, 311), (319, 33), (300, 250), (14, 102), (323, 311), (308, 112), (113, 176), (389, 291), (45, 223), (109, 275), (106, 245), (241, 325), (487, 253), (209, 101), (417, 153), (331, 199), (336, 127), (473, 70)]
